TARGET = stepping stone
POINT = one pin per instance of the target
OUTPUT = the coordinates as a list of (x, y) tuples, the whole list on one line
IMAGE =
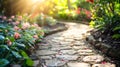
[(78, 64), (86, 54), (67, 57), (44, 47), (36, 62), (85, 51), (65, 43), (69, 52), (55, 63), (104, 65), (69, 40), (93, 59), (61, 48), (79, 47), (45, 52), (78, 43)]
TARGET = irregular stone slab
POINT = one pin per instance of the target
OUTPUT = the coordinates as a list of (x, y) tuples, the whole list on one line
[(55, 40), (36, 62), (86, 54), (78, 43), (93, 59), (78, 38), (55, 63), (45, 52), (85, 51), (91, 38), (65, 43), (44, 47), (104, 65), (79, 47), (78, 65), (61, 48), (67, 57), (70, 52), (69, 40), (46, 57)]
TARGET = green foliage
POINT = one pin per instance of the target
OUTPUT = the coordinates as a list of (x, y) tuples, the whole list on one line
[(17, 36), (3, 62), (43, 20), (105, 15), (28, 62)]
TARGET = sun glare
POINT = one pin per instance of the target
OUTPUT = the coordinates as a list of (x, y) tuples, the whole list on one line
[(35, 1)]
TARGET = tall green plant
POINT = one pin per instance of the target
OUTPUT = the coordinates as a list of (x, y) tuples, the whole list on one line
[(106, 15)]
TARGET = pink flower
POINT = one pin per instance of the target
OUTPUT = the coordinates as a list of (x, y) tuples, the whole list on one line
[(0, 16), (17, 35), (25, 26), (36, 25), (19, 17), (9, 43), (12, 17), (16, 28), (35, 36), (4, 17), (17, 22), (10, 20), (103, 62)]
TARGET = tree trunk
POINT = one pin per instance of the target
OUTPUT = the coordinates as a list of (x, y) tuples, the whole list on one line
[(69, 5)]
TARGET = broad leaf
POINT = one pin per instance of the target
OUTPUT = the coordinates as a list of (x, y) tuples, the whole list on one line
[(4, 46), (24, 54), (29, 62), (16, 54), (3, 62), (2, 38)]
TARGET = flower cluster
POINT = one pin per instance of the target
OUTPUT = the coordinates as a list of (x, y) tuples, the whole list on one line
[(16, 36)]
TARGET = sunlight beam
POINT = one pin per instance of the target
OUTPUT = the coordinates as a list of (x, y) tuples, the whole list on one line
[(35, 1)]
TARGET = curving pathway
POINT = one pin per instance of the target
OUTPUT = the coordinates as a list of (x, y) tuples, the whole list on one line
[(69, 49)]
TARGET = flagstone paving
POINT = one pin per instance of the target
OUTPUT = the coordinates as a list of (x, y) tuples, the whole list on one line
[(69, 49)]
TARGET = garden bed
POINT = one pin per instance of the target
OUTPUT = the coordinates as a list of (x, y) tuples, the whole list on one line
[(55, 28), (105, 44)]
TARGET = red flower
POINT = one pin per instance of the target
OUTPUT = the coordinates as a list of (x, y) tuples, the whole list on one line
[(88, 13), (91, 1), (78, 11), (16, 35)]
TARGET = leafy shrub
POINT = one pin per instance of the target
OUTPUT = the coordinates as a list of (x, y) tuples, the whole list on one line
[(106, 17), (17, 36)]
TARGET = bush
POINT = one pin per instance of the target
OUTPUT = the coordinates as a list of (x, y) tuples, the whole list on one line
[(105, 15), (17, 36)]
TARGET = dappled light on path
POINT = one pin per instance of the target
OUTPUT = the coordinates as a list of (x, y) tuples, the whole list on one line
[(69, 49)]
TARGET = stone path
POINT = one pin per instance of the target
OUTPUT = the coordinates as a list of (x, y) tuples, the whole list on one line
[(69, 49)]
